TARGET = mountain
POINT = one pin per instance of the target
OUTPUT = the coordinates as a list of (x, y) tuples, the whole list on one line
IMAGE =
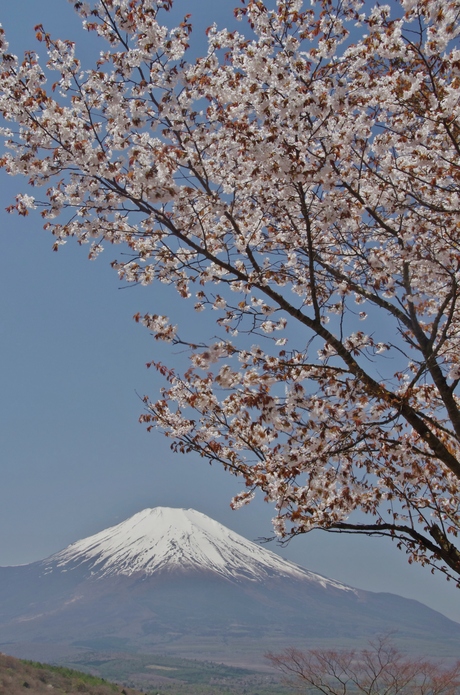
[(178, 540), (175, 581)]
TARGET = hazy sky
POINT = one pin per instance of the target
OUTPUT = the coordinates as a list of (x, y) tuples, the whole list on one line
[(74, 459)]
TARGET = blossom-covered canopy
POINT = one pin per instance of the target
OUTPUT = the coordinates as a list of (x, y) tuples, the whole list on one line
[(300, 179)]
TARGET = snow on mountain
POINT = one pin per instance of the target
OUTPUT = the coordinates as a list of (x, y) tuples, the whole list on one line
[(179, 539)]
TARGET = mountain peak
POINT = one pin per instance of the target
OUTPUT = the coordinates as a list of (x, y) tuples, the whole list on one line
[(166, 539)]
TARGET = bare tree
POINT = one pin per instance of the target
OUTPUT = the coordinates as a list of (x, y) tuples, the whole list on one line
[(381, 669)]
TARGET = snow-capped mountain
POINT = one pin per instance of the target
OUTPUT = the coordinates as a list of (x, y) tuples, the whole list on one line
[(166, 539), (176, 581)]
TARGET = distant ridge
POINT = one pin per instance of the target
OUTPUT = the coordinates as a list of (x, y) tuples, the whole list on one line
[(176, 582)]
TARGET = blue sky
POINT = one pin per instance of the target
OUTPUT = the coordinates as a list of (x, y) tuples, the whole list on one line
[(74, 459)]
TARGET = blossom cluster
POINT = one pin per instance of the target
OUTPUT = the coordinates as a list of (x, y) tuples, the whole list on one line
[(296, 182)]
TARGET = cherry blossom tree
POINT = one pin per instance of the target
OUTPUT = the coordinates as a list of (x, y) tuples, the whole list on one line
[(300, 182)]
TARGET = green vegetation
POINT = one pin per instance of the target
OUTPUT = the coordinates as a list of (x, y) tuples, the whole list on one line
[(71, 674), (34, 678), (179, 676)]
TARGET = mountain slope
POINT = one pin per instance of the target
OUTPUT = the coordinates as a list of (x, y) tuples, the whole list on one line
[(40, 679)]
